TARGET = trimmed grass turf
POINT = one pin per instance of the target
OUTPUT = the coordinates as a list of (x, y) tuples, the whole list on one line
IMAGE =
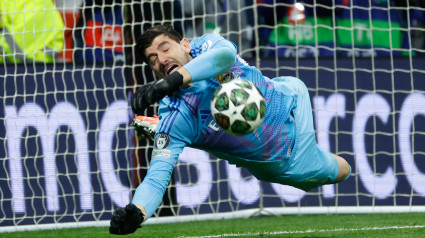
[(283, 226)]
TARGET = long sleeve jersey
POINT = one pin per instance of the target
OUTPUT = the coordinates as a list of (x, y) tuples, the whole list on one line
[(186, 120)]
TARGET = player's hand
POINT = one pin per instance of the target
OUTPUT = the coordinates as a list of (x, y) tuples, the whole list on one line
[(142, 98), (126, 220), (153, 92)]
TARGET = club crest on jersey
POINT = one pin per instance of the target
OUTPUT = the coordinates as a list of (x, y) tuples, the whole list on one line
[(225, 76), (162, 141)]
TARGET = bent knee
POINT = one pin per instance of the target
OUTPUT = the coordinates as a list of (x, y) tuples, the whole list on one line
[(344, 169)]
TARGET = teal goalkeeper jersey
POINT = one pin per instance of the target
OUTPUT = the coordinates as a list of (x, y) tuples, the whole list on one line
[(186, 120)]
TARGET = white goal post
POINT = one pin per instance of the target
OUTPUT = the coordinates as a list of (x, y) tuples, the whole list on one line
[(69, 155)]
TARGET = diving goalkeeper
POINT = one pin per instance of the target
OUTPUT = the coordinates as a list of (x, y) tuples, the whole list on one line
[(282, 150)]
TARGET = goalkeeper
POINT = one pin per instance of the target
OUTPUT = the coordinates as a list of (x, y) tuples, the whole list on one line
[(284, 150)]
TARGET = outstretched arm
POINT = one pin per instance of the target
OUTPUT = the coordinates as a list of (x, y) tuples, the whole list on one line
[(213, 62), (146, 200), (168, 146), (150, 192)]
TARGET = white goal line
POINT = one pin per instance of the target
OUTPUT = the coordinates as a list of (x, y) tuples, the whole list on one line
[(309, 231), (229, 215)]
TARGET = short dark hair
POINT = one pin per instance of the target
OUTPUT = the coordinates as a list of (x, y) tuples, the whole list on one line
[(145, 40)]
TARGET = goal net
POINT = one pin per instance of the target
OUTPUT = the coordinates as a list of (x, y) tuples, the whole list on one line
[(69, 155)]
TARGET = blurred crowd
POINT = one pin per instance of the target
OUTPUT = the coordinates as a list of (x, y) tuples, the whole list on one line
[(93, 31)]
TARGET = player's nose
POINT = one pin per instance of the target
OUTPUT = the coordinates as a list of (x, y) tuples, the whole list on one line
[(162, 59)]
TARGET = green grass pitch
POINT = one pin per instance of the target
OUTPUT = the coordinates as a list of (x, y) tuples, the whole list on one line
[(358, 225)]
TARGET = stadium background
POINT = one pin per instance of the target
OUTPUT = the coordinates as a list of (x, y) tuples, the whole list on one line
[(69, 153)]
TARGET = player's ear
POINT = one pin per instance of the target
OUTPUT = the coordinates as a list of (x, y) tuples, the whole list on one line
[(186, 45)]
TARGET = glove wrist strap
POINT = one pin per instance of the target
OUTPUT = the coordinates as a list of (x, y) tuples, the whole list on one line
[(175, 79)]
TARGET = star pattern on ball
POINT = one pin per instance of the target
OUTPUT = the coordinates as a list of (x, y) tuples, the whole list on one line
[(238, 115)]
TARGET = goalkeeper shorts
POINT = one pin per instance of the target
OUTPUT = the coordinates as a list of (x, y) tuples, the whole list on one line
[(309, 165)]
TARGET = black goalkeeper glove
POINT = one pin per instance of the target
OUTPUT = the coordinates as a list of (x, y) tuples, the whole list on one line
[(153, 92), (126, 220)]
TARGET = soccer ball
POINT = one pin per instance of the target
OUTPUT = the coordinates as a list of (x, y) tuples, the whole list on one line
[(238, 107)]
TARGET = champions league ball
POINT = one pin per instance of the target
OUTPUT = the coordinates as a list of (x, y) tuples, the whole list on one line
[(238, 107)]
